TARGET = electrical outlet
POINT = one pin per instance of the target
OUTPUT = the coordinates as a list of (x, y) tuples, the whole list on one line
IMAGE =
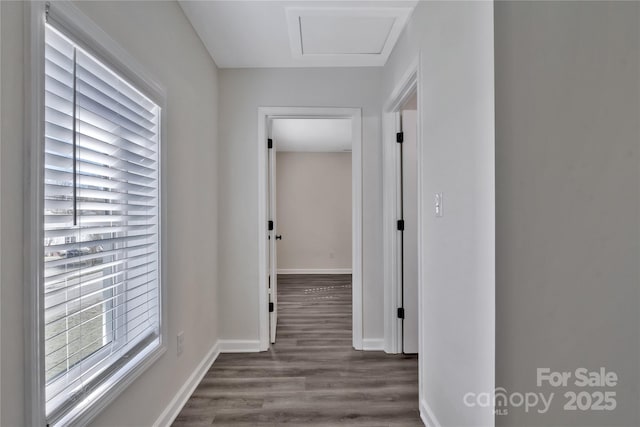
[(180, 342)]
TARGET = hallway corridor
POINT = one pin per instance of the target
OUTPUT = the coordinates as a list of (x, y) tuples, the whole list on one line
[(311, 376)]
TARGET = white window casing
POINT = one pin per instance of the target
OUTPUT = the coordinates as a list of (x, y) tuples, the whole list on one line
[(95, 258)]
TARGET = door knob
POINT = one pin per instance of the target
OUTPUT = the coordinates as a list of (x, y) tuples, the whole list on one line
[(278, 237)]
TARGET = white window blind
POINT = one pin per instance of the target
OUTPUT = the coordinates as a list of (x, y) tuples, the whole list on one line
[(101, 283)]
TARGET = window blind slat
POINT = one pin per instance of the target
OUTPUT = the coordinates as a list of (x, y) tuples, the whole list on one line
[(107, 79), (59, 45), (70, 386), (55, 190), (88, 206), (149, 294), (56, 311), (62, 221), (92, 132), (59, 162), (59, 121), (60, 55), (146, 299), (53, 266), (101, 113), (63, 232), (53, 176), (119, 95), (139, 326), (94, 243), (58, 70), (130, 273), (87, 88), (123, 307), (65, 149), (60, 82)]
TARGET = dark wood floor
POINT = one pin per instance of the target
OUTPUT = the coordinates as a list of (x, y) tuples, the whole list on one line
[(311, 376)]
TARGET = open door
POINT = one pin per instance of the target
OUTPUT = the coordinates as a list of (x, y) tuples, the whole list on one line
[(273, 258), (409, 230)]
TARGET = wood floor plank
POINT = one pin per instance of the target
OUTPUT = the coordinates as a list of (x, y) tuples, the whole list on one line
[(311, 376)]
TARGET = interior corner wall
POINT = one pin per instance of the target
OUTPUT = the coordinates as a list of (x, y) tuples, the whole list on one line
[(568, 202), (11, 226), (0, 213), (242, 91), (314, 211), (180, 63), (456, 110)]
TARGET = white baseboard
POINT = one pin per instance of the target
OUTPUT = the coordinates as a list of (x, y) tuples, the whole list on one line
[(239, 346), (374, 344), (180, 399), (426, 414), (314, 271)]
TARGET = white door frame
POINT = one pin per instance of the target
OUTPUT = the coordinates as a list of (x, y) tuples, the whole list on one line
[(264, 115), (405, 88)]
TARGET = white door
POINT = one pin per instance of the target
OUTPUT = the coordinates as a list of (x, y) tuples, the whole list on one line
[(273, 259), (410, 233)]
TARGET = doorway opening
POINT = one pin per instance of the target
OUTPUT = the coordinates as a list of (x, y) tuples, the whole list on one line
[(273, 123), (402, 229)]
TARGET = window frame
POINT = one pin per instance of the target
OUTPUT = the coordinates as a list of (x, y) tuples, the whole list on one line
[(90, 37)]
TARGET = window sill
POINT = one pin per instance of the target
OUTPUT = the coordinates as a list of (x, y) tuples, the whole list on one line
[(85, 411)]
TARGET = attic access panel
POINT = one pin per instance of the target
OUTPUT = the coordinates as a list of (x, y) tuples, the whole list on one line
[(350, 36)]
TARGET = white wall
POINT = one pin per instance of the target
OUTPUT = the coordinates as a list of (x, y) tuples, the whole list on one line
[(11, 227), (242, 91), (456, 103), (568, 201), (314, 211), (169, 49)]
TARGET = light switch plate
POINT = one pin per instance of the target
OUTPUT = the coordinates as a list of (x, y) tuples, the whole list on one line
[(438, 204)]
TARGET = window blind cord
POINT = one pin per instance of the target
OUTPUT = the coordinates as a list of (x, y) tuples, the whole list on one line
[(75, 139)]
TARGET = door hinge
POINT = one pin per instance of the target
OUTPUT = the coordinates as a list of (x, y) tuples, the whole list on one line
[(271, 307), (401, 225), (269, 143), (400, 312), (270, 225), (400, 137)]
